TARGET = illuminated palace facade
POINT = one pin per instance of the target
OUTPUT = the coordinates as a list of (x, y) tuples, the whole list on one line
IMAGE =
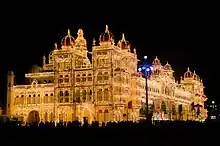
[(70, 86), (170, 99)]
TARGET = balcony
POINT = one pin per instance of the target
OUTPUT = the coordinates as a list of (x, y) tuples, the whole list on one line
[(78, 67)]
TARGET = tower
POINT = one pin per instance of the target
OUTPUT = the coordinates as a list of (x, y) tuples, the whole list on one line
[(63, 76), (10, 84), (102, 70)]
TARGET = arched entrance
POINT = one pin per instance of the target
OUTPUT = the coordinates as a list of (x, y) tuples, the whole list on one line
[(33, 117), (86, 115)]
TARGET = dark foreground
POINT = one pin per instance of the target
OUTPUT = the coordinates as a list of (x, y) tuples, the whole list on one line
[(162, 133)]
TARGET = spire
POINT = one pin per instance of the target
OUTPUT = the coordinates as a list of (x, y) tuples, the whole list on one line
[(106, 29), (80, 33), (55, 46), (135, 52), (44, 60), (188, 69), (94, 42), (123, 37), (68, 32), (167, 62)]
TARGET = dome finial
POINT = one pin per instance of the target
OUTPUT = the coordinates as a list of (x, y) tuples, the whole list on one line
[(44, 59), (194, 72), (55, 45), (123, 37), (80, 33), (135, 51), (94, 42), (68, 32), (106, 28), (167, 62), (188, 69)]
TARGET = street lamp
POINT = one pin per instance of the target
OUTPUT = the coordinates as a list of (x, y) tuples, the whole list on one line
[(146, 69)]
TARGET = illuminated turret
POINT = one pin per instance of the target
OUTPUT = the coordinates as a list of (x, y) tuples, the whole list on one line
[(156, 66), (80, 40), (167, 70)]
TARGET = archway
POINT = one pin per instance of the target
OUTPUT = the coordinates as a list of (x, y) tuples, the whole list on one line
[(86, 115), (33, 117), (163, 107), (106, 115), (173, 112), (99, 116)]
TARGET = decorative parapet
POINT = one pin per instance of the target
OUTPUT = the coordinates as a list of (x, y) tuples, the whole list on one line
[(38, 75)]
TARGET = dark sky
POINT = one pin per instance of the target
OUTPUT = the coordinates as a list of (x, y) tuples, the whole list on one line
[(183, 36)]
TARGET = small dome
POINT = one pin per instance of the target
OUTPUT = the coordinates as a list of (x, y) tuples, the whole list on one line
[(68, 40), (167, 66), (36, 69), (188, 74), (80, 40), (195, 76), (106, 36), (156, 61), (123, 44)]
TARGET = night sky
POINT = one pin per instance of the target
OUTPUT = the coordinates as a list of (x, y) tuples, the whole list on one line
[(183, 37)]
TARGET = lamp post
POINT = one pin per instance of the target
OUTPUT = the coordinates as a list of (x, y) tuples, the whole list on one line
[(146, 69)]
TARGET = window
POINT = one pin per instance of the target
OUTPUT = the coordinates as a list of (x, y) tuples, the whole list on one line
[(61, 93), (67, 65), (84, 95), (106, 95), (66, 99), (77, 95), (78, 78), (66, 93), (99, 76), (84, 78), (89, 77), (99, 95), (46, 98), (106, 76), (106, 61), (66, 80)]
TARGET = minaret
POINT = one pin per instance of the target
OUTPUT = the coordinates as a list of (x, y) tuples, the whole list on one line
[(10, 84), (44, 60)]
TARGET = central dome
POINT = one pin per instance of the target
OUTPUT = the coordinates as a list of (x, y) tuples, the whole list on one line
[(106, 36), (68, 40)]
